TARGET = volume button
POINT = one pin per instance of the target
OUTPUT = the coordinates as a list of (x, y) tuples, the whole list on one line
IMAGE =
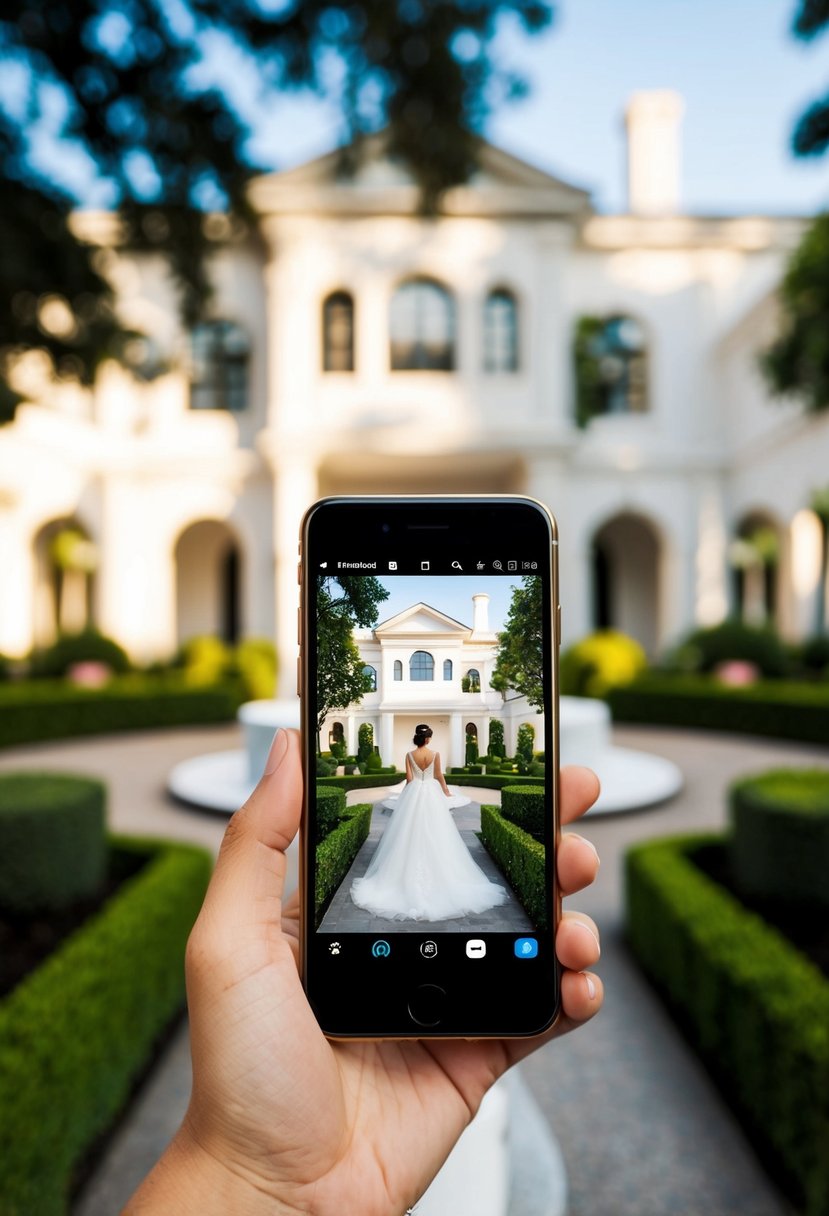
[(299, 677), (299, 626), (558, 624)]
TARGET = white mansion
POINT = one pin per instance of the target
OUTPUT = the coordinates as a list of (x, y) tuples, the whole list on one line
[(427, 667), (521, 341)]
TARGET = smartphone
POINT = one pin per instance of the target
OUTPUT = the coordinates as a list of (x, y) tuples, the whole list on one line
[(429, 631)]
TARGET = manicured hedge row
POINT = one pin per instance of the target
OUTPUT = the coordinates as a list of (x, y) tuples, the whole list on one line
[(491, 782), (755, 1007), (781, 709), (53, 709), (526, 805), (52, 842), (78, 1030), (363, 781), (330, 808), (780, 846), (521, 859), (336, 853)]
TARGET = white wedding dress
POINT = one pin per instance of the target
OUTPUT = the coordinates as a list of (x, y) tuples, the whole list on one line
[(421, 869)]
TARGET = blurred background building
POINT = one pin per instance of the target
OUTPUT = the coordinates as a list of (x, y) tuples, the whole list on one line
[(520, 342)]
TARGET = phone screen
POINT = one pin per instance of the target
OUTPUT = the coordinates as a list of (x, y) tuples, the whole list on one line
[(430, 742)]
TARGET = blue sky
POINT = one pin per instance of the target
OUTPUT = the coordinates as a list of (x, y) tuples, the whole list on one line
[(451, 595)]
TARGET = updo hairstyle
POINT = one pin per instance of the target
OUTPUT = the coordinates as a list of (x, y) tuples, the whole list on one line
[(422, 733)]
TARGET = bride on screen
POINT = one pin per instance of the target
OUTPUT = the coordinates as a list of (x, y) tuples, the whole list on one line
[(421, 869)]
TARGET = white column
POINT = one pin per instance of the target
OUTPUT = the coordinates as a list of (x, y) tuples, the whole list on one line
[(457, 749), (483, 734), (351, 734), (387, 738)]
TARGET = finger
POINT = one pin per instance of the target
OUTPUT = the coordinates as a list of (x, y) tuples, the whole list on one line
[(579, 790), (577, 863), (247, 884), (577, 941)]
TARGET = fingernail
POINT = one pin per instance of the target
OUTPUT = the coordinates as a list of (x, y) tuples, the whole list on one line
[(595, 936), (591, 987), (277, 753), (590, 845)]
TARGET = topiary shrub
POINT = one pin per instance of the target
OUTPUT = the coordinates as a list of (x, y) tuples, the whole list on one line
[(365, 742), (603, 660), (471, 754), (255, 661), (374, 764), (521, 859), (526, 805), (206, 660), (330, 808), (705, 649), (336, 853), (52, 843), (71, 648), (496, 738), (325, 768), (524, 743), (780, 847), (814, 655)]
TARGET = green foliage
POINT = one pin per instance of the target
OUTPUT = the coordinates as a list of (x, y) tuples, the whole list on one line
[(338, 749), (590, 387), (205, 660), (47, 709), (496, 738), (330, 808), (133, 94), (374, 764), (780, 845), (255, 661), (368, 781), (705, 649), (5, 667), (524, 743), (365, 741), (527, 806), (776, 708), (343, 603), (519, 660), (336, 853), (71, 648), (601, 661), (492, 764), (814, 655), (757, 1009), (521, 858), (797, 362), (325, 768), (77, 1032), (471, 751), (52, 843), (486, 781)]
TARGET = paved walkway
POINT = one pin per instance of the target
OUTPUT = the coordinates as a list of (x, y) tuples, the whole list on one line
[(643, 1131), (343, 915)]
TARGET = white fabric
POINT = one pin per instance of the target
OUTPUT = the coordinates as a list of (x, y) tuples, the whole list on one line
[(421, 869)]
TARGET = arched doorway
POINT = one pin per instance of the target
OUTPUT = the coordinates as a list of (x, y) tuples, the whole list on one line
[(208, 582), (66, 559), (754, 557), (625, 560)]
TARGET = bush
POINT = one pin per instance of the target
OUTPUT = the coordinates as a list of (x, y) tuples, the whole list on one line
[(255, 661), (492, 764), (51, 709), (496, 738), (474, 768), (522, 860), (52, 841), (368, 782), (705, 649), (324, 767), (337, 852), (780, 846), (5, 667), (778, 709), (603, 660), (205, 659), (330, 808), (757, 1010), (524, 744), (338, 751), (78, 1031), (814, 655), (471, 755), (365, 741), (374, 764), (71, 648), (526, 805)]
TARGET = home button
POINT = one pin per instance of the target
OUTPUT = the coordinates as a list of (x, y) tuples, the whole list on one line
[(427, 1004)]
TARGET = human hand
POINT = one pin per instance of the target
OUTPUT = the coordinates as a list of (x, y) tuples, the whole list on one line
[(283, 1121)]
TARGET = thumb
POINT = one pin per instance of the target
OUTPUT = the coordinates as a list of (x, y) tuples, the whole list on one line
[(249, 878)]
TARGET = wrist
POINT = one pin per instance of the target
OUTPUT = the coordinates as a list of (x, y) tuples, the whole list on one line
[(188, 1178)]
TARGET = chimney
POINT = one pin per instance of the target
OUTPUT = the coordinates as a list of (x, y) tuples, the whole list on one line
[(652, 120), (480, 615)]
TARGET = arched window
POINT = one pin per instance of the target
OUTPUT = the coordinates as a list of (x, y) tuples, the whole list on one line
[(422, 327), (421, 666), (471, 730), (336, 734), (611, 361), (500, 331), (398, 669), (338, 332), (219, 356), (447, 669), (471, 682), (371, 676)]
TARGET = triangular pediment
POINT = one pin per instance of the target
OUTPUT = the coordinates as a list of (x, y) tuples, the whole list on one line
[(502, 184), (421, 619)]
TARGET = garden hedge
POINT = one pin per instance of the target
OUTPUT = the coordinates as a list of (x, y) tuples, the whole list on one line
[(526, 805), (363, 781), (79, 1029), (781, 709), (489, 781), (330, 808), (53, 709), (780, 845), (336, 853), (521, 858), (52, 840), (754, 1006)]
